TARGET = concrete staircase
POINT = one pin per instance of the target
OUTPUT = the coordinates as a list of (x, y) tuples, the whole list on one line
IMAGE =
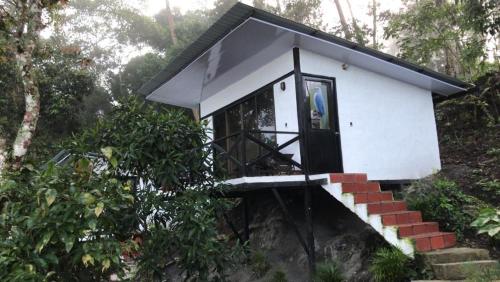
[(456, 264), (399, 226)]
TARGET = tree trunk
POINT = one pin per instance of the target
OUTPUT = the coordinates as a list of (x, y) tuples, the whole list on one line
[(171, 23), (374, 33), (343, 22), (3, 155), (358, 36), (26, 36)]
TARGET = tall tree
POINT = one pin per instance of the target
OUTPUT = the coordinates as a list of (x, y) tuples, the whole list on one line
[(171, 22), (64, 82), (23, 21), (359, 34), (373, 12), (343, 22), (446, 37)]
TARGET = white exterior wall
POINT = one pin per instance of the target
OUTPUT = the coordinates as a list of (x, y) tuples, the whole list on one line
[(285, 108), (393, 133)]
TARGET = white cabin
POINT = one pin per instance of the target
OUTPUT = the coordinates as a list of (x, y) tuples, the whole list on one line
[(282, 98)]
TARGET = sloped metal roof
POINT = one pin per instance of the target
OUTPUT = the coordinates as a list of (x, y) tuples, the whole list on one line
[(240, 13)]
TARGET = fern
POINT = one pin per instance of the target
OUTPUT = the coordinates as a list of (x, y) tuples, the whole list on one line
[(328, 272), (390, 265)]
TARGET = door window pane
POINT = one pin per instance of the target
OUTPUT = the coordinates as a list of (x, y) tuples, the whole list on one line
[(317, 94)]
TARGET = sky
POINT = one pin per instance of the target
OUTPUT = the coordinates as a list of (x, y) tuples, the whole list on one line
[(330, 16)]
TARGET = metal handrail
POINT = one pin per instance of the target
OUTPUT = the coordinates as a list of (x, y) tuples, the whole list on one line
[(240, 143)]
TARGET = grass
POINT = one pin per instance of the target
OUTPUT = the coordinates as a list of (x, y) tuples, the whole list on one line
[(328, 271)]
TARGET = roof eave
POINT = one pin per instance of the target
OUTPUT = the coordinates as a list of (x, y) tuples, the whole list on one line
[(239, 13)]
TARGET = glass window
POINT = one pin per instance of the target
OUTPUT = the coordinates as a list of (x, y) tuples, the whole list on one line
[(249, 111), (317, 93), (233, 120), (219, 124), (233, 117), (265, 115), (249, 114), (255, 113)]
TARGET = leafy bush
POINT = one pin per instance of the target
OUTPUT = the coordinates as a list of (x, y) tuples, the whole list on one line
[(328, 271), (488, 222), (59, 223), (442, 201), (140, 173), (176, 198), (492, 187), (259, 264), (279, 276), (390, 265)]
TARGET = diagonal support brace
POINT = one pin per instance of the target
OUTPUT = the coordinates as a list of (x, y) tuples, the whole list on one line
[(290, 220)]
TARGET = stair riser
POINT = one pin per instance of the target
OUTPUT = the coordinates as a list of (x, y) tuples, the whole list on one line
[(377, 208), (456, 255), (462, 270), (435, 242), (360, 187), (405, 218), (348, 178), (418, 229), (361, 198)]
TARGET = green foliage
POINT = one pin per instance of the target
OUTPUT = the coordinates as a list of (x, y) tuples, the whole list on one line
[(328, 271), (136, 72), (188, 27), (390, 265), (59, 223), (162, 147), (279, 276), (192, 240), (478, 109), (442, 200), (259, 264), (447, 36), (307, 12), (64, 84), (491, 187), (488, 222), (175, 207)]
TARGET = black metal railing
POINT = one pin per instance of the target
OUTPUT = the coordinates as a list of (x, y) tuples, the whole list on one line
[(253, 153)]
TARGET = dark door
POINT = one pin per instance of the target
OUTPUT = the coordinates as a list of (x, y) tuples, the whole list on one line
[(321, 126)]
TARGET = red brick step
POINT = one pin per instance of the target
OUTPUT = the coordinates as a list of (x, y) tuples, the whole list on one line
[(405, 230), (348, 177), (360, 187), (433, 241), (386, 206), (372, 197), (401, 217), (425, 235)]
